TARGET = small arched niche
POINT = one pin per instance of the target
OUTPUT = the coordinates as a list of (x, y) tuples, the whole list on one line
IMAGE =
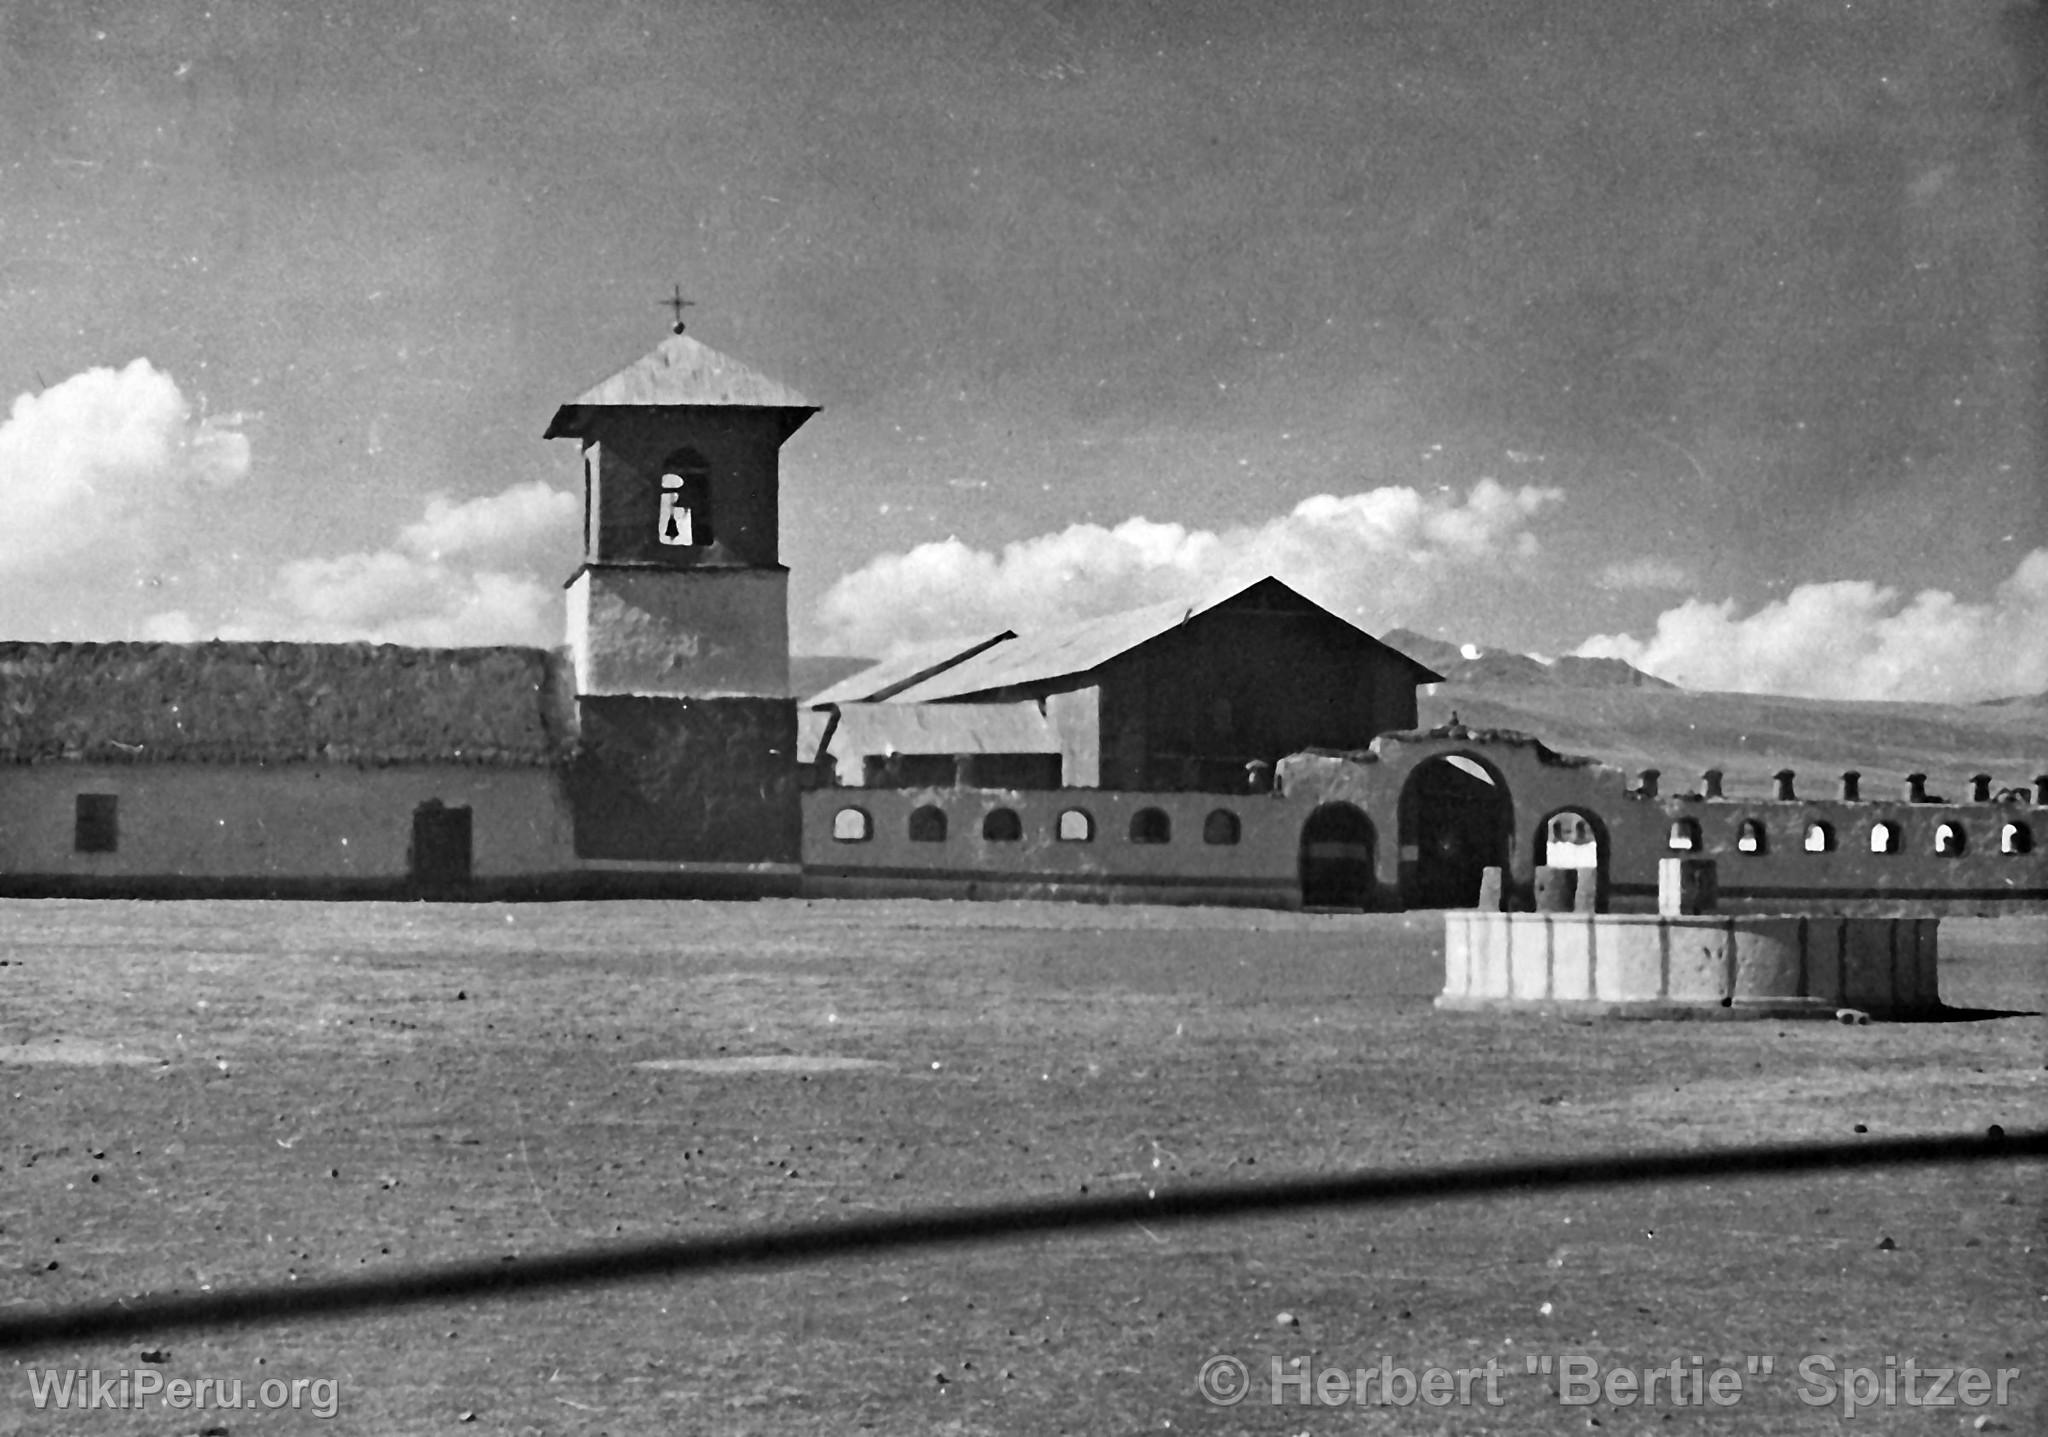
[(1151, 825)]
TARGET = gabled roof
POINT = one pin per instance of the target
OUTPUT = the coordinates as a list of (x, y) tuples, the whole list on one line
[(890, 676), (882, 728), (1073, 649), (283, 703), (680, 372)]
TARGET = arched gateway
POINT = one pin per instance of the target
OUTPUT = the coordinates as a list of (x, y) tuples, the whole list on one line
[(1337, 858), (1456, 821)]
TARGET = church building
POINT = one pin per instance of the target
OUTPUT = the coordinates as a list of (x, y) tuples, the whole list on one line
[(655, 754), (1246, 748)]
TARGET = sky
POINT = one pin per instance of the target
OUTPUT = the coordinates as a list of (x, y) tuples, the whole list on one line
[(1708, 334)]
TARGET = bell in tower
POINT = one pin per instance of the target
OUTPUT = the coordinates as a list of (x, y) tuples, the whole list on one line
[(678, 615)]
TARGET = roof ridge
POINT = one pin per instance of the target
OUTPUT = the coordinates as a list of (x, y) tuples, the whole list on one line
[(683, 370)]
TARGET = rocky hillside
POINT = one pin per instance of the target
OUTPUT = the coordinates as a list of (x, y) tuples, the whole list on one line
[(1504, 667)]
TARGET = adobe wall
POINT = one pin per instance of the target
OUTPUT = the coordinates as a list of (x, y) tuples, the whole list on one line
[(1784, 876), (1259, 870), (683, 633), (279, 829), (1635, 828), (686, 781)]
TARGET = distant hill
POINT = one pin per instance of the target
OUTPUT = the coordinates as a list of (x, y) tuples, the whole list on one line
[(1751, 736), (1623, 716), (1504, 667), (1439, 654)]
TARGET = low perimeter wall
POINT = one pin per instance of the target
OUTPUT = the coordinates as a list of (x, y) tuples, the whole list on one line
[(1065, 843), (1695, 966)]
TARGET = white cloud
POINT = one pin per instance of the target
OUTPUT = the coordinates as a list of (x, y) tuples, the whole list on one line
[(454, 577), (1857, 640), (102, 464), (106, 532), (496, 527), (1647, 572), (173, 626), (1359, 553), (392, 598)]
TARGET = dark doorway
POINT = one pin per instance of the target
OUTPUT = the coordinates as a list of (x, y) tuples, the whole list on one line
[(1337, 858), (1456, 821), (440, 857)]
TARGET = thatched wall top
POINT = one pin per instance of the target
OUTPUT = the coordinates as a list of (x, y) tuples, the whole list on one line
[(283, 703)]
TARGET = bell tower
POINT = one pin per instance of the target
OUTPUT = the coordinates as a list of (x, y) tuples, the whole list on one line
[(678, 617)]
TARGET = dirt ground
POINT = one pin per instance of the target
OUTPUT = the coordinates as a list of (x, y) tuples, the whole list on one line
[(227, 1094)]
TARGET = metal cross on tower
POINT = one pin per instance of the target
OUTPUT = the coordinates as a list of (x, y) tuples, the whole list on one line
[(677, 303)]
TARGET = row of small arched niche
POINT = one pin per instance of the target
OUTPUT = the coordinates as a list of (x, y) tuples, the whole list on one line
[(1851, 786)]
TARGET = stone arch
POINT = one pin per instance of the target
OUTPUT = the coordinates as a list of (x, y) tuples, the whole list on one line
[(1337, 858), (1151, 825), (1456, 820), (1575, 838)]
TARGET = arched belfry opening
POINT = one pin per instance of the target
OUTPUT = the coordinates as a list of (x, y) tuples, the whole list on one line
[(684, 518), (1337, 858), (1457, 820)]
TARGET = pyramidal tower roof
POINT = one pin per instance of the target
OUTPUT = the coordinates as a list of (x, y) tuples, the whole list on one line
[(681, 372)]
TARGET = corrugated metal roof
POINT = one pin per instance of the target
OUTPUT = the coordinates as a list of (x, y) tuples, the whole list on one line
[(811, 727), (892, 675), (1076, 648), (680, 371), (942, 728), (283, 703)]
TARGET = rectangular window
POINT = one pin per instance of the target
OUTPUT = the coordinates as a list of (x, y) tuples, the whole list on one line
[(94, 827)]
